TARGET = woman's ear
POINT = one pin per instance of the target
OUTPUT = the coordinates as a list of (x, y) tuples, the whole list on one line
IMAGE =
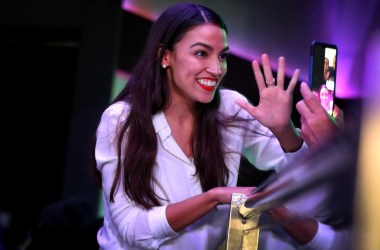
[(165, 61)]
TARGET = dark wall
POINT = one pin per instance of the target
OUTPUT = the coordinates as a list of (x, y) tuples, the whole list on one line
[(58, 59), (40, 79)]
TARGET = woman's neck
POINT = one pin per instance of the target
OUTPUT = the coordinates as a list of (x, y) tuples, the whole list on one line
[(180, 109), (181, 119)]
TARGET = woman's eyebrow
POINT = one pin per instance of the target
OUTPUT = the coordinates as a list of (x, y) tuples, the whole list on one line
[(207, 46)]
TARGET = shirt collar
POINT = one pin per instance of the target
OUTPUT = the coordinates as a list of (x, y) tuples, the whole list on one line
[(161, 126)]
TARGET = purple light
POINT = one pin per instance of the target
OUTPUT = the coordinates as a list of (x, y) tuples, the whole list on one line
[(283, 31), (348, 25)]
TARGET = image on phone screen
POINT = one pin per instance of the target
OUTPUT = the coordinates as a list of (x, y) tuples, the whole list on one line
[(323, 67)]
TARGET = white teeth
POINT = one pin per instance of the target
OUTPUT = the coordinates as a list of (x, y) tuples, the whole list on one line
[(207, 82)]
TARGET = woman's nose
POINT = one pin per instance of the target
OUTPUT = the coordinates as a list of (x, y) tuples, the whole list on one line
[(214, 67)]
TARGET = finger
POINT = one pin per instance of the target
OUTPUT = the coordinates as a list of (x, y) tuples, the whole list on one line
[(337, 112), (309, 98), (266, 67), (293, 81), (258, 75), (304, 136), (302, 120), (281, 72), (306, 133), (339, 116), (306, 91), (303, 109)]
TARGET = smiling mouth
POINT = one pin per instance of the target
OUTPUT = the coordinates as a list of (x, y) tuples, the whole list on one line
[(207, 84)]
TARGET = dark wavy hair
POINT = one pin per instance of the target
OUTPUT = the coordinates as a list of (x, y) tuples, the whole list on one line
[(149, 80)]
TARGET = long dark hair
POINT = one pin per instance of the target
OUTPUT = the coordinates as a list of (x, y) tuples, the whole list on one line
[(149, 80)]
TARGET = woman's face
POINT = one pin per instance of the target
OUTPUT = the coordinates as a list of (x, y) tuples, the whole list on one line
[(197, 63), (324, 95)]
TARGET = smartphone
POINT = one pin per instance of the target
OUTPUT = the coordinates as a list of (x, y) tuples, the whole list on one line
[(322, 73)]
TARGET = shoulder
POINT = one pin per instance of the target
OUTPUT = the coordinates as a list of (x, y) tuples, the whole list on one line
[(227, 101), (116, 111), (111, 118), (230, 95)]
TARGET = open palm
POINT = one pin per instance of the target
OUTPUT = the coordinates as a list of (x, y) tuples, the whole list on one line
[(275, 106)]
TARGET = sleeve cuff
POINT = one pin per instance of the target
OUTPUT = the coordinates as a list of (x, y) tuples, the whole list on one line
[(322, 240), (159, 224), (291, 156)]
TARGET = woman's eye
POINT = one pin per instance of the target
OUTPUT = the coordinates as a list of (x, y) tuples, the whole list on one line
[(224, 56), (201, 53)]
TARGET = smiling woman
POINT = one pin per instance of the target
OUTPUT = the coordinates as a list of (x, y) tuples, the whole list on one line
[(168, 148), (197, 64)]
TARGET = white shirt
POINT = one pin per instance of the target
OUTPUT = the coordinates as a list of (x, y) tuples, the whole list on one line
[(128, 226)]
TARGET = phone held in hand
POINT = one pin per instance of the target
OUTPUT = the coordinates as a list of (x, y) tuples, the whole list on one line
[(322, 73)]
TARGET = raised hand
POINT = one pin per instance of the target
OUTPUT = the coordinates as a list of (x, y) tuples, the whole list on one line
[(317, 125), (275, 106)]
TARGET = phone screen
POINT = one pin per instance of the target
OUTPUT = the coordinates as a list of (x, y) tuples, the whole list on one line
[(322, 77)]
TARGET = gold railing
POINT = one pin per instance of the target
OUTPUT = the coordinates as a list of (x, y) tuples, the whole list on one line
[(243, 230)]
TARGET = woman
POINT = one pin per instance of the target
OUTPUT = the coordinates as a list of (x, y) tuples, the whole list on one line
[(325, 98), (168, 148)]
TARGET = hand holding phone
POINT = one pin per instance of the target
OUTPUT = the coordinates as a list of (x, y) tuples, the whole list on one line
[(322, 75)]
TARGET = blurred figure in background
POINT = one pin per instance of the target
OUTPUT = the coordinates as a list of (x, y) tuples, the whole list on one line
[(66, 224)]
